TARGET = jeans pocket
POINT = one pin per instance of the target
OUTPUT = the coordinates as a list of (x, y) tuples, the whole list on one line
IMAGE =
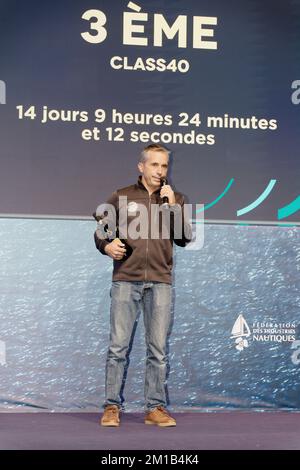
[(121, 291), (163, 295)]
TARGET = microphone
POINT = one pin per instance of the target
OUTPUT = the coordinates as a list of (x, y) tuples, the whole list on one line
[(163, 182)]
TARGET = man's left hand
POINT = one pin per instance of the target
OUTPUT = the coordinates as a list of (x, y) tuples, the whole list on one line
[(167, 191)]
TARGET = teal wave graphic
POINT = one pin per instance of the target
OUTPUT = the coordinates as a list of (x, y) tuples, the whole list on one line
[(257, 201), (289, 209), (213, 203)]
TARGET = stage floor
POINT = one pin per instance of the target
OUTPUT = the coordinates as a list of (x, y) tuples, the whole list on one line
[(234, 430)]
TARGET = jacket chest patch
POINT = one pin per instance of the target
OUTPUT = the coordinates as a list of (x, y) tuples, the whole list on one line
[(132, 207)]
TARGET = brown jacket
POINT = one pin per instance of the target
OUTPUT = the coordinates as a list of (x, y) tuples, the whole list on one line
[(150, 259)]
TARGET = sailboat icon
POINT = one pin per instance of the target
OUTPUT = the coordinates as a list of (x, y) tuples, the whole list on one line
[(240, 328)]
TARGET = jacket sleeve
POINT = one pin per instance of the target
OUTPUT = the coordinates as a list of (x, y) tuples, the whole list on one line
[(186, 228), (100, 241)]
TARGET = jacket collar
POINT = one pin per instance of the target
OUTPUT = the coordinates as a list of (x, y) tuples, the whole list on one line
[(141, 186)]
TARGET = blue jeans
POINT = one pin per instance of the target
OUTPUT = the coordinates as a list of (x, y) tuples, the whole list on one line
[(127, 299)]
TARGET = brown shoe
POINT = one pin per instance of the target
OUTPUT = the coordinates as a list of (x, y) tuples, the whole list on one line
[(111, 416), (160, 417)]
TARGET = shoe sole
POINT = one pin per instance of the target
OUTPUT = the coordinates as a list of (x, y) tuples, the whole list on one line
[(161, 425), (110, 425)]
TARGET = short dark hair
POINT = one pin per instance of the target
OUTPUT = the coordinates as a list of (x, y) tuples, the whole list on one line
[(153, 148)]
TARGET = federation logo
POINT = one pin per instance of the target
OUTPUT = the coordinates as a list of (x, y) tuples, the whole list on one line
[(240, 332)]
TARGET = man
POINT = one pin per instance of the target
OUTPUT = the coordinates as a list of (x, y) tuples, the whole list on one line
[(142, 278)]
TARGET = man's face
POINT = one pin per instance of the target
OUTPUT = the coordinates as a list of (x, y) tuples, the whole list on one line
[(154, 168)]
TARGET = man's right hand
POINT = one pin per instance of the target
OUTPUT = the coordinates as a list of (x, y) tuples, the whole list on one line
[(115, 249)]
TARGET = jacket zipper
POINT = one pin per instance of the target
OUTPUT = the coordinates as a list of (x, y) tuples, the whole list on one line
[(147, 242)]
